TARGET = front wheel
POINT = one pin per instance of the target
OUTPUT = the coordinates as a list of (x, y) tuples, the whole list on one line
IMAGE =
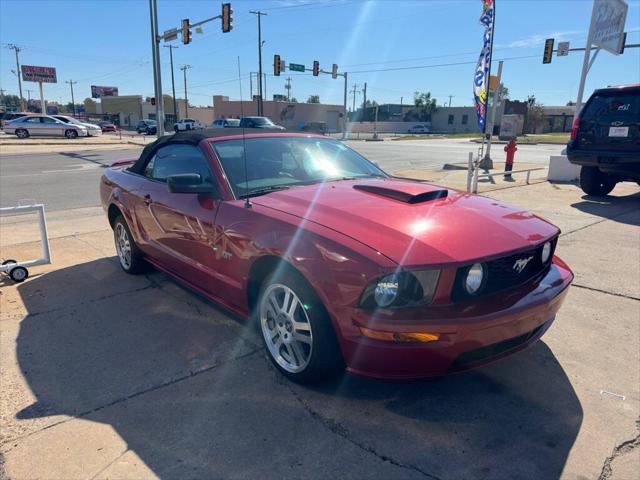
[(22, 133), (71, 134), (595, 182), (129, 255), (296, 328)]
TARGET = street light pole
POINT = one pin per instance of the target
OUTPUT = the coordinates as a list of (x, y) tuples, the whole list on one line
[(259, 14), (17, 50), (157, 80), (173, 82), (73, 101), (184, 69), (344, 115)]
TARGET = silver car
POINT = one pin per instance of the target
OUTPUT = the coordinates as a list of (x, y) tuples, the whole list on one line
[(44, 125), (92, 129)]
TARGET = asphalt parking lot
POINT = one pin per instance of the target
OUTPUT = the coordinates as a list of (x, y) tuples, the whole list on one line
[(106, 375)]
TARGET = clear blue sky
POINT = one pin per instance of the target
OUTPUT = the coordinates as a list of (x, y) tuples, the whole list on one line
[(108, 43)]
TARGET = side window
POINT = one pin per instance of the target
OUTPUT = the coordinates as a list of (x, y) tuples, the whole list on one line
[(465, 119), (33, 120), (450, 120), (178, 159), (48, 120)]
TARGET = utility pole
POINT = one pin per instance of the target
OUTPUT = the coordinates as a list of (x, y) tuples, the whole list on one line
[(73, 100), (16, 48), (29, 96), (184, 69), (288, 89), (173, 82), (450, 96), (157, 79), (259, 14), (344, 115), (364, 101), (354, 91)]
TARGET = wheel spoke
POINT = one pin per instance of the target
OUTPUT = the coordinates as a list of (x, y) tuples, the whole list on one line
[(301, 337), (292, 308), (301, 326), (298, 352), (292, 358), (274, 304), (285, 302)]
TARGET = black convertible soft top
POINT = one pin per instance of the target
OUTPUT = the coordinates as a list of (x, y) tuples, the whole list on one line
[(194, 137)]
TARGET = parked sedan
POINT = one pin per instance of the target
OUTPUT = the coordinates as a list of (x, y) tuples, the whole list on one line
[(418, 129), (259, 122), (337, 262), (146, 126), (44, 125), (188, 124), (226, 123), (93, 130), (107, 126)]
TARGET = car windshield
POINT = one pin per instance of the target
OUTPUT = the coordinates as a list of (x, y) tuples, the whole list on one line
[(233, 122), (280, 162)]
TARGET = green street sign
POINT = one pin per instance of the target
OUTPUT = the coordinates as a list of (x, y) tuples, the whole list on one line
[(296, 67)]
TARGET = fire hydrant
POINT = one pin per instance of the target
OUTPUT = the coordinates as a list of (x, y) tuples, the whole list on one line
[(511, 150)]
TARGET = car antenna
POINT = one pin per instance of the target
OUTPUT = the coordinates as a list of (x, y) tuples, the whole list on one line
[(247, 202)]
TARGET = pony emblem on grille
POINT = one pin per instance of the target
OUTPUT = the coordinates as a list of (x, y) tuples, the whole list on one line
[(521, 264)]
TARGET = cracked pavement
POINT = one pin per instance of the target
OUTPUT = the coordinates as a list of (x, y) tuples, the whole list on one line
[(105, 375)]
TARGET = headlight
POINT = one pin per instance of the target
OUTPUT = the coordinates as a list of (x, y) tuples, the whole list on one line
[(474, 279), (386, 290), (402, 289), (546, 252)]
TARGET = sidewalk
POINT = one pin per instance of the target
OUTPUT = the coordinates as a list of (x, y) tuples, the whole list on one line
[(12, 145), (106, 375)]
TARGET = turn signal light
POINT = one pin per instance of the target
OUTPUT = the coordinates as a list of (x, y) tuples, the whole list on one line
[(399, 337)]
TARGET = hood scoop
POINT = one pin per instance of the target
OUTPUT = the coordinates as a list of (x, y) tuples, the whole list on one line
[(403, 196)]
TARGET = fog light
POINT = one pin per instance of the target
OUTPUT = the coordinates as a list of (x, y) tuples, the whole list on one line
[(546, 252), (475, 277)]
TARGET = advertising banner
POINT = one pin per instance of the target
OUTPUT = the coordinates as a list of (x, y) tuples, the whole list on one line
[(481, 74), (31, 73), (607, 24), (97, 92)]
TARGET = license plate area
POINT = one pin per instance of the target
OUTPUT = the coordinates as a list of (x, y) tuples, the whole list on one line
[(618, 131)]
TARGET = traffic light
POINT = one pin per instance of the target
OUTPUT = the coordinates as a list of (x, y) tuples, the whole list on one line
[(153, 100), (334, 71), (276, 65), (548, 50), (316, 68), (186, 31), (227, 18)]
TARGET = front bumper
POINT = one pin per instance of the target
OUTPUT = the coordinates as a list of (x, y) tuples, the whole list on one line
[(93, 132), (471, 333)]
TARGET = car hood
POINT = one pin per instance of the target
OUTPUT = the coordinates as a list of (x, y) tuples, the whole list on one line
[(413, 223)]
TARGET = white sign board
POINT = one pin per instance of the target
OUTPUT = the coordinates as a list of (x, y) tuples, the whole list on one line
[(607, 24), (563, 49)]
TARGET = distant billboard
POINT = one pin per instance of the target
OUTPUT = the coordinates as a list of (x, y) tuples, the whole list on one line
[(39, 74), (97, 92), (607, 24)]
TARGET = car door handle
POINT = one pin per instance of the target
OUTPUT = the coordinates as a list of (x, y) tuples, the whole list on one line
[(147, 200)]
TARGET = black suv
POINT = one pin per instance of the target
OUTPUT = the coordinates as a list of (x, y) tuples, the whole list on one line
[(605, 139), (147, 126)]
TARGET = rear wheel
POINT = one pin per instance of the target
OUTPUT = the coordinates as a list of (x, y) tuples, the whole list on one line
[(71, 134), (22, 133), (129, 255), (296, 328), (595, 182)]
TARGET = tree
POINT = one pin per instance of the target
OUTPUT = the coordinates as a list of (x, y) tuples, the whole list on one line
[(535, 114), (313, 99), (424, 106), (11, 102), (571, 103), (294, 100), (504, 92)]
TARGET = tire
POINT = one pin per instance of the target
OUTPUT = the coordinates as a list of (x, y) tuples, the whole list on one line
[(19, 274), (176, 129), (129, 255), (595, 182), (22, 133), (71, 134), (301, 345)]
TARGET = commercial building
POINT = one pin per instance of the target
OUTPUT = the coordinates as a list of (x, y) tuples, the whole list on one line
[(288, 114)]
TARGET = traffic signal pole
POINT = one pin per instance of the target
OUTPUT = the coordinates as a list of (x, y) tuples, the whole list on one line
[(344, 115), (259, 14), (173, 82), (157, 81)]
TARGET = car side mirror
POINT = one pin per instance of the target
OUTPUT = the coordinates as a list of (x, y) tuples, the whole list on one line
[(191, 183)]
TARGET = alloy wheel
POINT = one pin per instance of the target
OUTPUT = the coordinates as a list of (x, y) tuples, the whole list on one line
[(286, 328), (123, 246)]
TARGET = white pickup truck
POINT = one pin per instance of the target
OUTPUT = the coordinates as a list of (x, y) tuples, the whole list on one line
[(188, 124)]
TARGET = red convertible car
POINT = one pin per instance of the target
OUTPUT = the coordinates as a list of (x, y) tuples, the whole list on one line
[(340, 264)]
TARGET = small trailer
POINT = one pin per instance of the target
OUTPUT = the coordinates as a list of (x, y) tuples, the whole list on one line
[(17, 270)]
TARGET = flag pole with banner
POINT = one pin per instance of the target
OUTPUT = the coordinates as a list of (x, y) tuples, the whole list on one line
[(483, 68)]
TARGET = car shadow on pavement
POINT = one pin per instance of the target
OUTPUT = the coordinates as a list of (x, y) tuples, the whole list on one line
[(612, 207), (191, 393)]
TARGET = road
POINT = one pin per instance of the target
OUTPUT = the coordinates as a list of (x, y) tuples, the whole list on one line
[(69, 180)]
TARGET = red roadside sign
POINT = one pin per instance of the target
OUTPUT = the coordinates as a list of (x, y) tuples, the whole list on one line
[(31, 73)]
